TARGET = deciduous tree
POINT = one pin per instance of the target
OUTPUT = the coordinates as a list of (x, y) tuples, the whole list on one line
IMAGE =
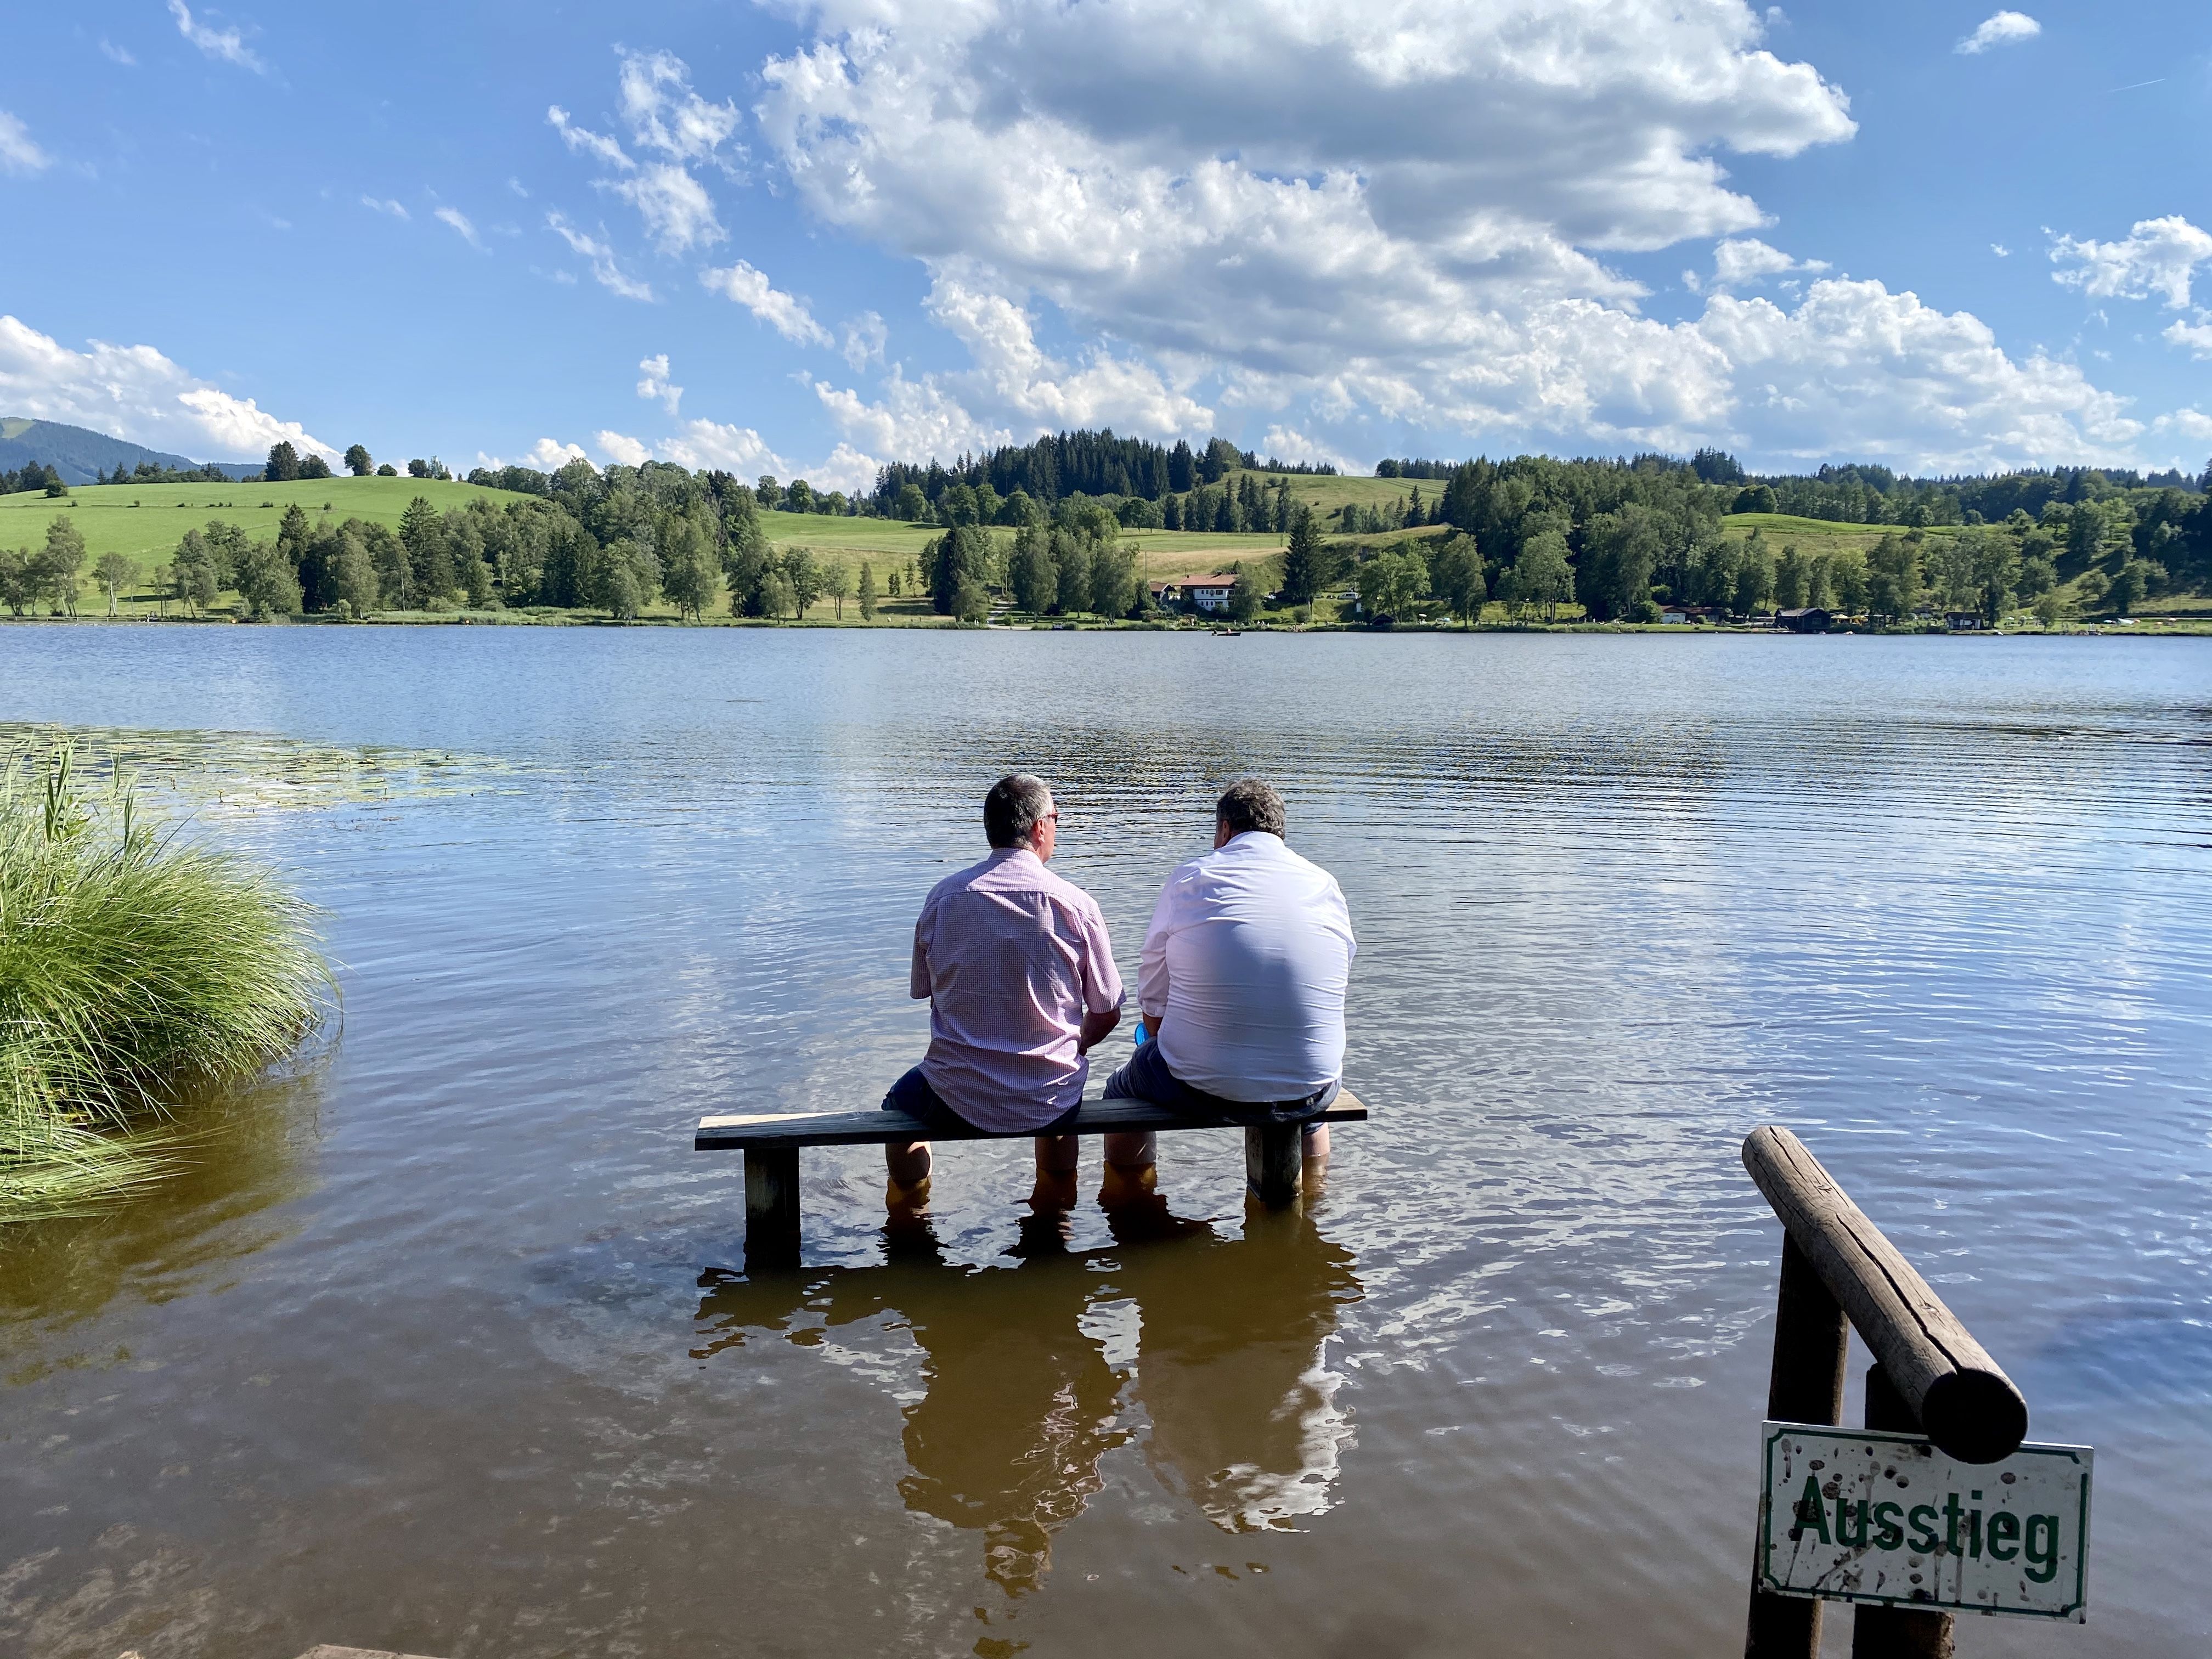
[(114, 572)]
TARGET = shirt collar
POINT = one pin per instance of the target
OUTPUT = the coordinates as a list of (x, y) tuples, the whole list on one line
[(1000, 854), (1255, 841)]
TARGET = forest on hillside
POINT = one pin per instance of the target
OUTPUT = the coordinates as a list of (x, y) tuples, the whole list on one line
[(1619, 538)]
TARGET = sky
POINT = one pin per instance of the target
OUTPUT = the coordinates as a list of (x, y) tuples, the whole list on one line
[(805, 239)]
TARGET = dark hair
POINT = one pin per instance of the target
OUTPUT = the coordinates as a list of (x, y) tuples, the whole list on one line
[(1248, 804), (1016, 805)]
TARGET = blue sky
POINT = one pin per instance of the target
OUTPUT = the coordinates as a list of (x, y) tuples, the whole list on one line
[(811, 238)]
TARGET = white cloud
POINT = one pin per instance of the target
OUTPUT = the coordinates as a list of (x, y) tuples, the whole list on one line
[(654, 382), (617, 447), (1858, 370), (459, 222), (675, 206), (609, 276), (2190, 423), (547, 455), (228, 45), (1284, 443), (1347, 212), (708, 445), (865, 336), (2158, 258), (1373, 207), (2000, 29), (384, 205), (2194, 337), (912, 419), (667, 117), (1745, 261), (135, 392), (2001, 250), (19, 154), (784, 312), (117, 54), (584, 142)]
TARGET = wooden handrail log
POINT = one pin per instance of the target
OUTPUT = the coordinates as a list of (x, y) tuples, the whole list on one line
[(1964, 1402)]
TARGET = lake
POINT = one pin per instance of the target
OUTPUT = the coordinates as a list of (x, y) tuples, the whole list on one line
[(446, 1345)]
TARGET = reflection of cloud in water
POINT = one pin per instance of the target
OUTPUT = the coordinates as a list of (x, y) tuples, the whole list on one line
[(1022, 1401)]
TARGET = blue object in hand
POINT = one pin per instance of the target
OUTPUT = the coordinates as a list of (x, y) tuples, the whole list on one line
[(1140, 1037)]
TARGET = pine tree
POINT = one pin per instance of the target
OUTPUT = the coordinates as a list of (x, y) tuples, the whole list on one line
[(1307, 565), (868, 591), (429, 558)]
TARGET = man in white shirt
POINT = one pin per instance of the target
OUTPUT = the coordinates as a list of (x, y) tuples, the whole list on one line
[(1243, 983)]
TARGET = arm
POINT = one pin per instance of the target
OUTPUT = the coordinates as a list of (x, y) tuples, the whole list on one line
[(1095, 1028), (917, 978), (1102, 994), (1152, 966)]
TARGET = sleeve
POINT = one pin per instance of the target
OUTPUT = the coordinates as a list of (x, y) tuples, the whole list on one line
[(1152, 969), (917, 984), (1344, 918), (1102, 979)]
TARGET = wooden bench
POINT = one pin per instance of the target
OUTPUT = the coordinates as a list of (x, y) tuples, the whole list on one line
[(771, 1140)]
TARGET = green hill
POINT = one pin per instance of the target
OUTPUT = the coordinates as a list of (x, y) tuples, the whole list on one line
[(145, 522), (1162, 554), (1816, 536)]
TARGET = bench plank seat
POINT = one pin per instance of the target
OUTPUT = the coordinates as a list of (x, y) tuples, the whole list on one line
[(771, 1143), (775, 1131)]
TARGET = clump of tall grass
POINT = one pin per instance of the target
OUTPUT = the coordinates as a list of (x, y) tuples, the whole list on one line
[(132, 962)]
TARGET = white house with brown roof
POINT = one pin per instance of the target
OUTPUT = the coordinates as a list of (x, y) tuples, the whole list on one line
[(1201, 592)]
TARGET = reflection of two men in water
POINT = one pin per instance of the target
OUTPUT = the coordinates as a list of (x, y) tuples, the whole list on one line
[(1229, 1395)]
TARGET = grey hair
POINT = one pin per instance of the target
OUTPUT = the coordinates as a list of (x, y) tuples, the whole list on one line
[(1015, 806), (1249, 804)]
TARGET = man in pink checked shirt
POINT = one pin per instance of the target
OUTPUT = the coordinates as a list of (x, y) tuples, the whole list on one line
[(1021, 983)]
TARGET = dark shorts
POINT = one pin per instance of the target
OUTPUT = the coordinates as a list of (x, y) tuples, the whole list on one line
[(1146, 1077), (912, 1095)]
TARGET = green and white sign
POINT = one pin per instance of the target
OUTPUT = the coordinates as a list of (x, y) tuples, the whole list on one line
[(1876, 1517)]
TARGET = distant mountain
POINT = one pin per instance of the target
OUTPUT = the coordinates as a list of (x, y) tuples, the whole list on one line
[(82, 456)]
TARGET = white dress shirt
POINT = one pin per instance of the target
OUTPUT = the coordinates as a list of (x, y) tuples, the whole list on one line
[(1244, 971)]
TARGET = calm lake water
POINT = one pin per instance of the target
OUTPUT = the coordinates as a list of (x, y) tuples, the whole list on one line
[(447, 1347)]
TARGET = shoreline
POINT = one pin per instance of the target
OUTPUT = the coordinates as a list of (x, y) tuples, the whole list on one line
[(2139, 628)]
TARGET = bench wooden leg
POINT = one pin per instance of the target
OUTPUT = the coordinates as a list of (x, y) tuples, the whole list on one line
[(1271, 1160), (771, 1207)]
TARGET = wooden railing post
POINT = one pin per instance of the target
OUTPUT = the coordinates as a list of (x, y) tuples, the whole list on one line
[(1811, 1338), (1896, 1632)]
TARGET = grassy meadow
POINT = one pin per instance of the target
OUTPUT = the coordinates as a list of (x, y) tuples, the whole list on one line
[(145, 522), (1814, 536), (1165, 553)]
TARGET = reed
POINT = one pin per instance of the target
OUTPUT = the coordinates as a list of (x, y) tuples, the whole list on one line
[(133, 961)]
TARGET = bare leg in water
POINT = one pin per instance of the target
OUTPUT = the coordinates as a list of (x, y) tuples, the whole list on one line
[(908, 1163), (1133, 1163)]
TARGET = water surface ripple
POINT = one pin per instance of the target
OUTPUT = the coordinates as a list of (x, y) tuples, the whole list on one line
[(446, 1345)]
